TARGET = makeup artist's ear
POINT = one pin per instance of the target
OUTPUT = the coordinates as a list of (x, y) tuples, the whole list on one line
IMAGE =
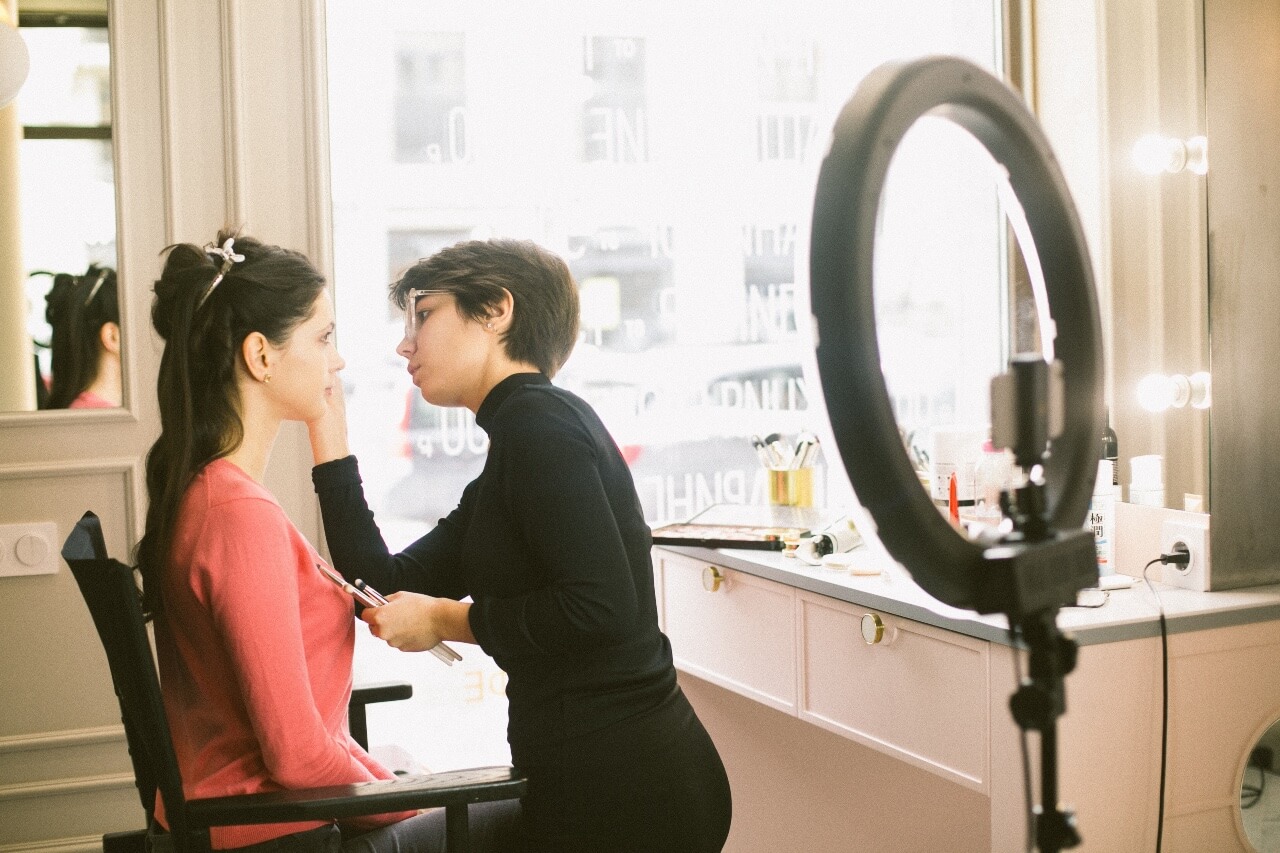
[(500, 312), (256, 353)]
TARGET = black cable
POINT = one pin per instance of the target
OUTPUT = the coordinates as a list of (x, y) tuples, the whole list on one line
[(1180, 558)]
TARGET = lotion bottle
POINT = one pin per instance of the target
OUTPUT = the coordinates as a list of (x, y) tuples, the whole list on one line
[(1102, 518)]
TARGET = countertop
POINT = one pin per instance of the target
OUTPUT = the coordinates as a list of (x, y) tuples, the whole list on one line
[(1127, 614)]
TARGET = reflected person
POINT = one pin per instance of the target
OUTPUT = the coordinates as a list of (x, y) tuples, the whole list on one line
[(551, 546), (84, 318)]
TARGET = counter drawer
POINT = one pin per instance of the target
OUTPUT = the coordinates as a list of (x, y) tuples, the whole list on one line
[(738, 632), (920, 693)]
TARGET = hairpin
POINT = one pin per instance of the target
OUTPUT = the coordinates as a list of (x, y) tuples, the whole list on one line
[(229, 257), (97, 285)]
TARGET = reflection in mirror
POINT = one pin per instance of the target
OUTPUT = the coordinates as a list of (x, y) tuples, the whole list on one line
[(65, 346), (1260, 793), (949, 319)]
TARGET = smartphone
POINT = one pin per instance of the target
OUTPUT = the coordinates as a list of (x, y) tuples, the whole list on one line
[(360, 591)]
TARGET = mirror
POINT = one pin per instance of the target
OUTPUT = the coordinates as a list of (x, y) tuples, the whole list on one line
[(947, 329), (1158, 277), (61, 327), (1260, 793)]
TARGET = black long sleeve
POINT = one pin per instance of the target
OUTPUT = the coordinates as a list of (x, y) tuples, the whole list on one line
[(551, 545)]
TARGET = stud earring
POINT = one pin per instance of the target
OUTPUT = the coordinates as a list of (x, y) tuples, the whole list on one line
[(266, 379), (488, 325)]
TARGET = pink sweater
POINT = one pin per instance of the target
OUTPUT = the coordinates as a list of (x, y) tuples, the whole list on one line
[(255, 651)]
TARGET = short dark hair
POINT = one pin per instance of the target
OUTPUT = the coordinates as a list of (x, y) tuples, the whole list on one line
[(544, 322)]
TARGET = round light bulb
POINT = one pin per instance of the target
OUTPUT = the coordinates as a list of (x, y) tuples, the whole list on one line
[(15, 61), (1156, 392), (1152, 154)]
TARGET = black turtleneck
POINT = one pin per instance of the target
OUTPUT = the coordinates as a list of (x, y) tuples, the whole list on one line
[(551, 545)]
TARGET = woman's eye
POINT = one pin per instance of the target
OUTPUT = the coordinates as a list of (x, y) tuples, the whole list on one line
[(421, 316)]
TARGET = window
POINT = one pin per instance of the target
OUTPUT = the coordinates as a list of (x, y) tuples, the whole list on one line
[(668, 152)]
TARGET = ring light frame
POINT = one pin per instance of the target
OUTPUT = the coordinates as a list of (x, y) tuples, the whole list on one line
[(868, 131)]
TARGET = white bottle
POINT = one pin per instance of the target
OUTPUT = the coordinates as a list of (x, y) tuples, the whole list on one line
[(1102, 518)]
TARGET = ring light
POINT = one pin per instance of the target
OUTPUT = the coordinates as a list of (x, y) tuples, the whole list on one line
[(889, 101)]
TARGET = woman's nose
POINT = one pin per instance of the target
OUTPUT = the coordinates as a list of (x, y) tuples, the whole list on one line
[(406, 347)]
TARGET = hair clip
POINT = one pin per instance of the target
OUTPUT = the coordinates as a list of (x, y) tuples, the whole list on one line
[(229, 257), (97, 285)]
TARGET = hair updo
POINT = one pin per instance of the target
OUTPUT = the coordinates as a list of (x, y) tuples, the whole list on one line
[(204, 308)]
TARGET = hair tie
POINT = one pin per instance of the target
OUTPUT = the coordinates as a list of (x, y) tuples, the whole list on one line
[(97, 285), (229, 257)]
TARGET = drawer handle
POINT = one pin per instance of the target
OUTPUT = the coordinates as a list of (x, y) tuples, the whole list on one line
[(874, 631), (712, 580)]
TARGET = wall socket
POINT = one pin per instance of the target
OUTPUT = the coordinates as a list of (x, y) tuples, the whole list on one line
[(1194, 534), (28, 549)]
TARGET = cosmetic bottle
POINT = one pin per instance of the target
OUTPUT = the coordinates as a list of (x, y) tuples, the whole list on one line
[(1146, 485), (994, 475), (1111, 448), (1102, 517)]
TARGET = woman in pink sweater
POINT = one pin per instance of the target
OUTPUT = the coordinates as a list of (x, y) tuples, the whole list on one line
[(254, 644)]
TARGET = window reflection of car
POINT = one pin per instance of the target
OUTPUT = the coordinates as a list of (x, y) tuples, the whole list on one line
[(447, 450), (682, 418)]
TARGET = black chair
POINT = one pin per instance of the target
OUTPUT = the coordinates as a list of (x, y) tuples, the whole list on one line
[(114, 601)]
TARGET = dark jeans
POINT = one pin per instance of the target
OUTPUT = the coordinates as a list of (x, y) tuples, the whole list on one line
[(322, 839)]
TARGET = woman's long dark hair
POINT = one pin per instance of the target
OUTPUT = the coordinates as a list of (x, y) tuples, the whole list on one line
[(271, 291), (76, 308)]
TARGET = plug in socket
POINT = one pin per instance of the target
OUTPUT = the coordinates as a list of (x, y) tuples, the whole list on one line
[(1192, 533)]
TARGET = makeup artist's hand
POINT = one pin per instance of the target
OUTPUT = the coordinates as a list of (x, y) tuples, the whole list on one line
[(415, 623), (328, 433)]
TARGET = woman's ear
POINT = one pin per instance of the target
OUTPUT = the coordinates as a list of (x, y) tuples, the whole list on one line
[(501, 312), (257, 353), (109, 337)]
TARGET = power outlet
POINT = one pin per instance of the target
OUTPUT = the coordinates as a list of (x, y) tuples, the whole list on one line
[(1194, 534)]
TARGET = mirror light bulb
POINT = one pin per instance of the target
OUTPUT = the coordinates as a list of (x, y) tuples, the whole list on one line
[(1158, 392), (15, 61), (1154, 153)]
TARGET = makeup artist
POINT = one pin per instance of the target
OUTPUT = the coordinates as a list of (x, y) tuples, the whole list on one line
[(550, 544)]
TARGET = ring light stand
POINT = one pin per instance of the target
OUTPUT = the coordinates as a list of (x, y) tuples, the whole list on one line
[(1038, 567)]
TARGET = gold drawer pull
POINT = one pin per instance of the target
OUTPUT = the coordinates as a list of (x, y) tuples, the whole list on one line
[(875, 632), (712, 580)]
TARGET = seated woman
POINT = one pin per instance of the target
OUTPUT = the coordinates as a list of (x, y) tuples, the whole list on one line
[(254, 643), (84, 317), (551, 545)]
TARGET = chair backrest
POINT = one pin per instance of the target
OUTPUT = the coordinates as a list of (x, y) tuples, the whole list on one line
[(115, 603)]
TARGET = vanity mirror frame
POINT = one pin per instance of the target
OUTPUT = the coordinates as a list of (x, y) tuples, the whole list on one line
[(86, 15)]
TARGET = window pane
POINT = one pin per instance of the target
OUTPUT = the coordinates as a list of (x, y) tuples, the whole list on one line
[(70, 78), (668, 152)]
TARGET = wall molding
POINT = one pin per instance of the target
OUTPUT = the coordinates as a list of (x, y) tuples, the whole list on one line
[(73, 844), (62, 787), (129, 466), (68, 738)]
